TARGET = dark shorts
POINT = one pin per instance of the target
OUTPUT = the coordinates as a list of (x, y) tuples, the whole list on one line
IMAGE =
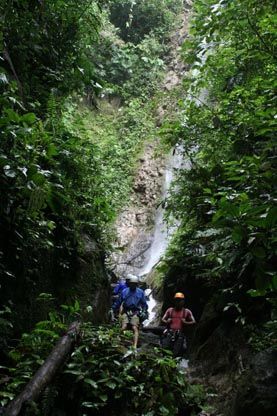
[(174, 341)]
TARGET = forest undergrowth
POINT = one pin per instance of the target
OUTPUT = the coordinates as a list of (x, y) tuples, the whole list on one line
[(79, 85)]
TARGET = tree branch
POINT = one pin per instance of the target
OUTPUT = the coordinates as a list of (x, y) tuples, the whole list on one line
[(46, 372), (136, 255)]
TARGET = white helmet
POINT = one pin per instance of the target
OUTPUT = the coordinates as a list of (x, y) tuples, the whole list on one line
[(133, 278), (129, 276)]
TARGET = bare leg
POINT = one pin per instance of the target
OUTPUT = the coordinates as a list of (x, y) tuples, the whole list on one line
[(124, 322), (136, 335)]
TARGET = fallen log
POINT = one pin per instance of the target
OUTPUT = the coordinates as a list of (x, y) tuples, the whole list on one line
[(46, 372)]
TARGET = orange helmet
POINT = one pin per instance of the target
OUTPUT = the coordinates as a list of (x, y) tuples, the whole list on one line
[(179, 295)]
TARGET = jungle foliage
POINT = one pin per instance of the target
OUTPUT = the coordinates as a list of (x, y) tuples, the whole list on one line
[(46, 172), (226, 202), (137, 19), (102, 375), (77, 103), (45, 46), (66, 167), (129, 55)]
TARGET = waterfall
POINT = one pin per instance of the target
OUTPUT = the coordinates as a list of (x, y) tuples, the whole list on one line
[(161, 232)]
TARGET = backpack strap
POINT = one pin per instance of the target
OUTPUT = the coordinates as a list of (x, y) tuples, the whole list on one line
[(127, 296), (171, 315), (185, 313)]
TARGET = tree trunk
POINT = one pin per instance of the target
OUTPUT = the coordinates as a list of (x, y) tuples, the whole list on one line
[(46, 372)]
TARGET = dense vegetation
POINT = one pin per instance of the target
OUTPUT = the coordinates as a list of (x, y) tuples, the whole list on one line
[(65, 167), (226, 202), (102, 376), (79, 82), (48, 174), (77, 103)]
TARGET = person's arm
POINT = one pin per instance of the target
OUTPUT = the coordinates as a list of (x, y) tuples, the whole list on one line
[(189, 320), (117, 303), (121, 309), (165, 318), (116, 289), (119, 288), (143, 302), (122, 298)]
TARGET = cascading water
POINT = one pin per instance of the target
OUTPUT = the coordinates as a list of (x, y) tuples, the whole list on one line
[(161, 232), (136, 259)]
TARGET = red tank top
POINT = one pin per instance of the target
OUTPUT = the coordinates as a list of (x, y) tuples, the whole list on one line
[(176, 324)]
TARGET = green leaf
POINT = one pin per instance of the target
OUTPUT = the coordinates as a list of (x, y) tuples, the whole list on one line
[(12, 115), (103, 397), (256, 293), (51, 150), (7, 394), (3, 78), (238, 234), (29, 118), (111, 385), (92, 383), (271, 218), (9, 172), (274, 283), (88, 404), (258, 252)]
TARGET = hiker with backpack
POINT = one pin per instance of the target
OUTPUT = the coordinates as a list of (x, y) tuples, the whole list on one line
[(133, 307), (118, 289), (176, 319), (121, 285)]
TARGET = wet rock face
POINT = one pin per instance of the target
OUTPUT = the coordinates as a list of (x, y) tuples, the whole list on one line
[(134, 226), (257, 389), (147, 183)]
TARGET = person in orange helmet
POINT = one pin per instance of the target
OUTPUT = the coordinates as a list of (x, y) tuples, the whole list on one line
[(176, 319)]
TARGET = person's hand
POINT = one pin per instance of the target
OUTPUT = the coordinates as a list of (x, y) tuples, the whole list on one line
[(188, 322), (169, 320), (112, 315)]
